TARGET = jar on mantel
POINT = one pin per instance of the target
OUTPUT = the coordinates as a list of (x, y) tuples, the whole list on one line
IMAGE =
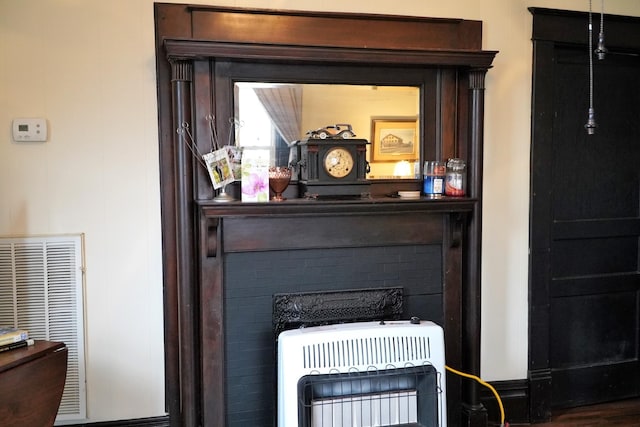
[(456, 178), (434, 176)]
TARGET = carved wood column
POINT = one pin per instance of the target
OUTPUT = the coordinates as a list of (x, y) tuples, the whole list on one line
[(474, 413), (452, 252), (186, 356)]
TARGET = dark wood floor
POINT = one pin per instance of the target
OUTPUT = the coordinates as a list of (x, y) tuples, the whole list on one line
[(623, 413)]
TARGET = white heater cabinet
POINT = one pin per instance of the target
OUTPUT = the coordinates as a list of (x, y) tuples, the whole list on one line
[(368, 374)]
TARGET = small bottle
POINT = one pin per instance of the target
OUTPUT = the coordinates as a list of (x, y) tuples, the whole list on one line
[(434, 174), (456, 179)]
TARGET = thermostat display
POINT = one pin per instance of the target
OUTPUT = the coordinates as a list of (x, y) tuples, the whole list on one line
[(33, 129)]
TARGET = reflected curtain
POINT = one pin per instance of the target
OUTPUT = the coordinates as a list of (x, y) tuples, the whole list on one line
[(284, 106)]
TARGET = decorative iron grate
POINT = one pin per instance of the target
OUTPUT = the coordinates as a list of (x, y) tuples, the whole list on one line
[(292, 310)]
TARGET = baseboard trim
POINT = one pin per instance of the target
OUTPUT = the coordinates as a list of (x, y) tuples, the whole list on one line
[(540, 395), (513, 393), (515, 400), (140, 422)]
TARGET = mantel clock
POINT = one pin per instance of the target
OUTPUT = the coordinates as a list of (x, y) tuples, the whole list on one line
[(333, 167)]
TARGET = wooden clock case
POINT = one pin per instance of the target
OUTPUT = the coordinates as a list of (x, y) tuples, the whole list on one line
[(314, 179)]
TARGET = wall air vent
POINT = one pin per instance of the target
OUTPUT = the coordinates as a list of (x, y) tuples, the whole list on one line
[(41, 290)]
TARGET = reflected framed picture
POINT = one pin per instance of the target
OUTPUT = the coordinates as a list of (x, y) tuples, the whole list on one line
[(394, 139)]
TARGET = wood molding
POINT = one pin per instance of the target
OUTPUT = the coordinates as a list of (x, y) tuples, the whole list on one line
[(347, 29), (540, 395), (515, 400), (139, 422), (563, 26), (201, 49)]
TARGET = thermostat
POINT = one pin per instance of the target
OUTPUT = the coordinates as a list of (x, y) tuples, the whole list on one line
[(30, 130)]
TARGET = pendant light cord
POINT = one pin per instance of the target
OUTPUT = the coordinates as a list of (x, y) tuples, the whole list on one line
[(590, 57), (591, 122), (602, 17)]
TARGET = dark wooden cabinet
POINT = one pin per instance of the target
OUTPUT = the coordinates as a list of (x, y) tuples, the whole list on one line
[(210, 248)]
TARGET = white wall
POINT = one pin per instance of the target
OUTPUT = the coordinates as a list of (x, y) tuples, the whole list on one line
[(89, 68)]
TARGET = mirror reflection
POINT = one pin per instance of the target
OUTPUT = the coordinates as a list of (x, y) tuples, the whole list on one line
[(278, 115)]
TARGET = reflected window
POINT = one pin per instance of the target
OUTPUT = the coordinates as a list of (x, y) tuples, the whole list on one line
[(255, 128)]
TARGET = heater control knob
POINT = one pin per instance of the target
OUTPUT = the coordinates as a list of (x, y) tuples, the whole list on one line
[(415, 320)]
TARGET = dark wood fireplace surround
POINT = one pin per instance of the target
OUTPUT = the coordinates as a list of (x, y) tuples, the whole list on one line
[(200, 52)]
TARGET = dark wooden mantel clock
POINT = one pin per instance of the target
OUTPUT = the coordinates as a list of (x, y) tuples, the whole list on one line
[(201, 52), (333, 167)]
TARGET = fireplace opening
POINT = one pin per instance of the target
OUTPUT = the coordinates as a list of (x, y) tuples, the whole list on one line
[(402, 281)]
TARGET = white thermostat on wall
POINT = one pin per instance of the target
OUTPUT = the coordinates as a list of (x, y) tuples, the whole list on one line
[(30, 130)]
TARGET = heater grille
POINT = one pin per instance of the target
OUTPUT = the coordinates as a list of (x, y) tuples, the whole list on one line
[(362, 370), (366, 352), (393, 397)]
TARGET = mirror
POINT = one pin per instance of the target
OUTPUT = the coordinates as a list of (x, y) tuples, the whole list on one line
[(277, 115)]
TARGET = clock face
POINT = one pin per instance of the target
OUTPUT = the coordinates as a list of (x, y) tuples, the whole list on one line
[(338, 162)]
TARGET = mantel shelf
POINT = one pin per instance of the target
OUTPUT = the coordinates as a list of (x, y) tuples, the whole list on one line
[(313, 224), (381, 205)]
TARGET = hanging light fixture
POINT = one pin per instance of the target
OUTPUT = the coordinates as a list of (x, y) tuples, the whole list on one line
[(601, 50), (591, 121)]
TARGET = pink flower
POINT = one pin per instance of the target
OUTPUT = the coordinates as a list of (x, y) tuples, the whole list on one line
[(254, 184)]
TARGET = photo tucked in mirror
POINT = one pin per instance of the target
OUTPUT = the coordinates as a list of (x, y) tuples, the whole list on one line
[(278, 115)]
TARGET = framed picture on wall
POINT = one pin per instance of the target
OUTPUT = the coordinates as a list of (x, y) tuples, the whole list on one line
[(394, 139)]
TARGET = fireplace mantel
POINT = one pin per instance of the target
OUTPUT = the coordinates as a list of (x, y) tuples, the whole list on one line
[(306, 224), (302, 225), (196, 47)]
